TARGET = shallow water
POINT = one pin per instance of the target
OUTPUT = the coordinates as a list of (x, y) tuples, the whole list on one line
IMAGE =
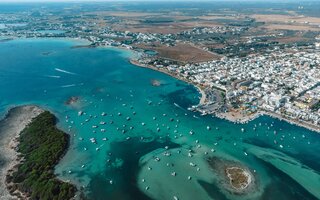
[(48, 72)]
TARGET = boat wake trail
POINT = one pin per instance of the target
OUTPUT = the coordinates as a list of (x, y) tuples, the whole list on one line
[(178, 106), (64, 71), (52, 76), (72, 85), (66, 86)]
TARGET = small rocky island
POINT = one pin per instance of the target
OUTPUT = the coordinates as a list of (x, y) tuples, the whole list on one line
[(239, 178), (234, 176), (72, 100), (155, 83)]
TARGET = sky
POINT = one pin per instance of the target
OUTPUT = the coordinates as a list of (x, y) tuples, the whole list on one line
[(136, 0), (286, 1)]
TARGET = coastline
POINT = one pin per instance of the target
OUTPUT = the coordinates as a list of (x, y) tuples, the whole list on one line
[(203, 94), (10, 128), (292, 121), (203, 98), (227, 116)]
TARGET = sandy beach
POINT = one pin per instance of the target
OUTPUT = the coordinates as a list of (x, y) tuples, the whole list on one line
[(10, 127)]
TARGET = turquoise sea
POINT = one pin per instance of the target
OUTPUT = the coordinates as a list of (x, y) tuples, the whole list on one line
[(148, 133)]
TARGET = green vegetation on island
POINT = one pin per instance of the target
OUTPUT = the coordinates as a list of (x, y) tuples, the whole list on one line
[(41, 146)]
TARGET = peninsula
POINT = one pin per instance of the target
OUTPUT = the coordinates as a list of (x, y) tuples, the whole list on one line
[(36, 145)]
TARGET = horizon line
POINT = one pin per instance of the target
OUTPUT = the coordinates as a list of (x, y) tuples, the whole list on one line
[(97, 1)]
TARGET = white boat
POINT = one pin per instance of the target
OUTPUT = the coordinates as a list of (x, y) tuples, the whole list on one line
[(167, 154), (93, 140)]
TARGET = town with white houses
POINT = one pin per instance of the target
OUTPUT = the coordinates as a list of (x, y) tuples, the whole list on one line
[(282, 83)]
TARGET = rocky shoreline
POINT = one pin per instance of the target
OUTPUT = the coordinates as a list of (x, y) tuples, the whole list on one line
[(233, 177), (10, 128)]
